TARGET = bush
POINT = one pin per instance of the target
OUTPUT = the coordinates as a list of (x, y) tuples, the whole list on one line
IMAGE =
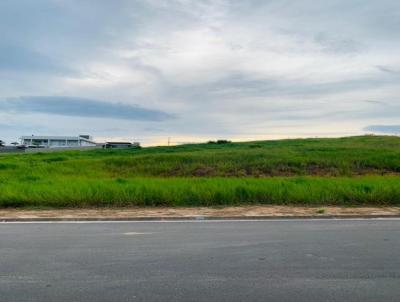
[(220, 142)]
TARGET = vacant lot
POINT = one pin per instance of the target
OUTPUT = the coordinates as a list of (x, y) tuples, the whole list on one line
[(344, 171)]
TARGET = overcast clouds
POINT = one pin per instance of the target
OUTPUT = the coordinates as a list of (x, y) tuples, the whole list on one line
[(198, 70)]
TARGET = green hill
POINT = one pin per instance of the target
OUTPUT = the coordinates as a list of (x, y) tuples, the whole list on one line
[(352, 170)]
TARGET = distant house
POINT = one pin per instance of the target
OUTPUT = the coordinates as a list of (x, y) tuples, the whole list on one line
[(57, 141), (120, 145)]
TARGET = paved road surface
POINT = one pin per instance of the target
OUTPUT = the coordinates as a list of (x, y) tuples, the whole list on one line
[(325, 260)]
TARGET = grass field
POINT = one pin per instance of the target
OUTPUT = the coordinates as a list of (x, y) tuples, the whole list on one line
[(345, 171)]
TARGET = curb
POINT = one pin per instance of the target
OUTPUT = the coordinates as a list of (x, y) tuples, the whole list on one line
[(190, 218)]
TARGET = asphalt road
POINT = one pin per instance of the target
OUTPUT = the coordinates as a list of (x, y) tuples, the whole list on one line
[(324, 260)]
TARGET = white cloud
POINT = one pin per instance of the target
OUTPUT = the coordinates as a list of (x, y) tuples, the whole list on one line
[(225, 68)]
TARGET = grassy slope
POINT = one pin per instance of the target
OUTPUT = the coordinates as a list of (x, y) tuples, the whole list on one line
[(357, 170)]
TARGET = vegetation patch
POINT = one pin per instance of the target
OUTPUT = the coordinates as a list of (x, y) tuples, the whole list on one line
[(6, 166), (81, 192), (346, 171)]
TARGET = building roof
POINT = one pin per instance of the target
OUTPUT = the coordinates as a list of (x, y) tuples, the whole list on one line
[(69, 138)]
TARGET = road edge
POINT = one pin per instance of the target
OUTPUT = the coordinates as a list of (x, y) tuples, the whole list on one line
[(188, 218)]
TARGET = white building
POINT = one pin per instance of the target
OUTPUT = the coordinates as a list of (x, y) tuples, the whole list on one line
[(58, 141)]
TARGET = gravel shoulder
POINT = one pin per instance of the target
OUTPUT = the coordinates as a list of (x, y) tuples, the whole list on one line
[(165, 212)]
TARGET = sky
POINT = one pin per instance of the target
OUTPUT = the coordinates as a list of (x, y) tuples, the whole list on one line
[(196, 70)]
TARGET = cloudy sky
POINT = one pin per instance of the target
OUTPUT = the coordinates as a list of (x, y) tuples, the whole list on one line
[(195, 70)]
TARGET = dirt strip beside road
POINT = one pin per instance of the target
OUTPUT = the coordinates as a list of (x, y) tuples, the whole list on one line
[(244, 211)]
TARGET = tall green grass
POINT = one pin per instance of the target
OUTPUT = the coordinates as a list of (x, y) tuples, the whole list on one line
[(356, 170), (321, 157), (81, 192)]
